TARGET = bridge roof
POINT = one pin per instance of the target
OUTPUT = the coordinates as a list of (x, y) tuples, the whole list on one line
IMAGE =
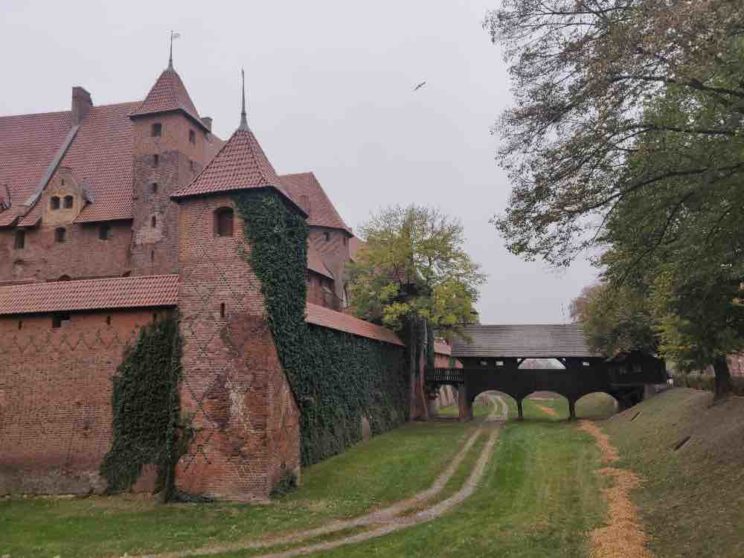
[(523, 341)]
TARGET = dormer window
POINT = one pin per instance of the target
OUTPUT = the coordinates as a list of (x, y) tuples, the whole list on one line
[(192, 136), (67, 202), (156, 130), (223, 222), (60, 234), (54, 203)]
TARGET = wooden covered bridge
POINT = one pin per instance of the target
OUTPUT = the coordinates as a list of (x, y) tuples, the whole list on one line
[(492, 357)]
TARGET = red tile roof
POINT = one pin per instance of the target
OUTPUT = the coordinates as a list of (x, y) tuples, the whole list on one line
[(168, 94), (307, 192), (241, 164), (90, 294), (101, 160), (315, 262), (28, 144), (325, 317), (442, 347)]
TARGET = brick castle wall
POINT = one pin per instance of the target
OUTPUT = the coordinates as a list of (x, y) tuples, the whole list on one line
[(55, 398), (243, 413)]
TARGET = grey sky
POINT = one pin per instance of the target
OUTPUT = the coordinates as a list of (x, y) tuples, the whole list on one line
[(329, 90)]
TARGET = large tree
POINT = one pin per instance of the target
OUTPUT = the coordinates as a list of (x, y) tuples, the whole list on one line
[(584, 71), (615, 319), (413, 266)]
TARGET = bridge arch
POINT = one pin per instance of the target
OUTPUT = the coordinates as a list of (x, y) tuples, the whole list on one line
[(597, 404)]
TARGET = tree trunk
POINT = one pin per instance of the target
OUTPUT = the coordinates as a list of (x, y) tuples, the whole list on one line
[(723, 377)]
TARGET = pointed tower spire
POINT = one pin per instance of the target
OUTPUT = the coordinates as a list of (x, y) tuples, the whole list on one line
[(243, 117)]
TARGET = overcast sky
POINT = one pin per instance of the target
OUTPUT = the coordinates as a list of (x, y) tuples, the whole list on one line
[(329, 90)]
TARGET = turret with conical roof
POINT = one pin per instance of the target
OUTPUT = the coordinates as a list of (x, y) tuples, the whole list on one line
[(171, 146)]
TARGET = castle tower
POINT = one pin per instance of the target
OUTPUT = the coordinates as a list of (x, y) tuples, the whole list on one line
[(171, 146), (241, 407)]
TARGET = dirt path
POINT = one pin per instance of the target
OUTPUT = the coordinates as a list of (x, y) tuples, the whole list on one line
[(433, 512), (623, 535), (387, 519), (547, 410)]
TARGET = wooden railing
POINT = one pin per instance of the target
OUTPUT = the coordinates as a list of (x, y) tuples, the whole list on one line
[(445, 375)]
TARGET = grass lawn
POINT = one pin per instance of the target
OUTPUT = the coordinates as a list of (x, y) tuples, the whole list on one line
[(692, 499), (539, 498), (387, 468)]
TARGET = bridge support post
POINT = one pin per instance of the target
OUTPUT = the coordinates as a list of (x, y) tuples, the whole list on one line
[(520, 413), (571, 408), (464, 405)]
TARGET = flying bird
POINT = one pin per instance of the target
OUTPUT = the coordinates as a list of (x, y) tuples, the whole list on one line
[(419, 86)]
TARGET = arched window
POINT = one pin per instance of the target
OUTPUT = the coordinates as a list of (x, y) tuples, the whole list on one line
[(60, 234), (54, 202), (223, 222), (68, 202), (20, 239)]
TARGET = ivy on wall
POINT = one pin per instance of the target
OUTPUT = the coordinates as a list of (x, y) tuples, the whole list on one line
[(336, 378), (146, 409)]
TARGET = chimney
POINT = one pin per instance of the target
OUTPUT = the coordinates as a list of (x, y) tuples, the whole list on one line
[(81, 103), (207, 121)]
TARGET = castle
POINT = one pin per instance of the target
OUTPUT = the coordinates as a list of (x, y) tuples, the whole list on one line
[(113, 217)]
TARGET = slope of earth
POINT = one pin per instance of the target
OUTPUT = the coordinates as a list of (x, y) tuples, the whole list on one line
[(690, 455)]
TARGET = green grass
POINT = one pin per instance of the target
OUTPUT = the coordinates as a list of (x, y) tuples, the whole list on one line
[(539, 498), (385, 469), (692, 499)]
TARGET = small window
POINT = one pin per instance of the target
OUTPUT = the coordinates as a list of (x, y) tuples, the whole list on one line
[(104, 231), (156, 130), (62, 182), (63, 278), (222, 310), (153, 221), (54, 203), (192, 136), (60, 234), (327, 236), (154, 188), (223, 222), (59, 320), (68, 202), (155, 160), (20, 324), (484, 363), (108, 320), (152, 256), (346, 240), (20, 239), (155, 318)]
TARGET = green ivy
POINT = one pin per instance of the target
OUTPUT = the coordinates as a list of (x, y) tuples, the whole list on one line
[(336, 378), (146, 409)]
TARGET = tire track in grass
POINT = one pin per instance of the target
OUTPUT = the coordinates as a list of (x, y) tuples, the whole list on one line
[(384, 517)]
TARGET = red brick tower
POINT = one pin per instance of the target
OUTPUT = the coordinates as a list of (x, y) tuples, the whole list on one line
[(171, 145), (234, 391)]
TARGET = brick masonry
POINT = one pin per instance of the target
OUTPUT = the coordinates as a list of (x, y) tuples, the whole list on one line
[(246, 420), (55, 398)]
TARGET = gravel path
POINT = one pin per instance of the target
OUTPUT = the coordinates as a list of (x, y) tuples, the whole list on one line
[(386, 520)]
